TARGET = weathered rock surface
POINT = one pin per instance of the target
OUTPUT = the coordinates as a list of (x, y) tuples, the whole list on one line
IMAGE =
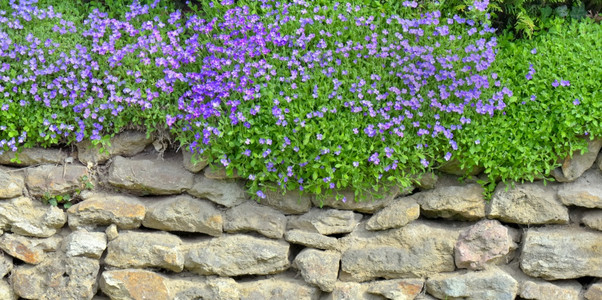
[(311, 239), (100, 209), (289, 203), (184, 213), (586, 191), (86, 244), (34, 156), (228, 193), (218, 172), (6, 265), (317, 267), (453, 202), (397, 289), (6, 291), (234, 255), (57, 278), (326, 221), (251, 216), (593, 219), (30, 218), (195, 167), (492, 283), (541, 290), (50, 180), (21, 248), (350, 291), (10, 186), (133, 249), (397, 214), (573, 167), (127, 143), (561, 253), (369, 204), (111, 232), (212, 287), (486, 241), (145, 176), (528, 203), (594, 292), (278, 287), (418, 249), (134, 284), (426, 181)]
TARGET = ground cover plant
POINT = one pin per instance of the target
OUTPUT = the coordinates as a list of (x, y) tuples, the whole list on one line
[(312, 96)]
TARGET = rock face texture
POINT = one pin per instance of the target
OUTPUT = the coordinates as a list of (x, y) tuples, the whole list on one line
[(162, 228)]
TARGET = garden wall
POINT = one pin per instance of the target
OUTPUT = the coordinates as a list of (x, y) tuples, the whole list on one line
[(149, 225)]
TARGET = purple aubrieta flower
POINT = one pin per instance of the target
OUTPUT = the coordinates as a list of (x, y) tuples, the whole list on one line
[(534, 51), (477, 142), (424, 162), (555, 83), (319, 136), (576, 102), (447, 156), (260, 194)]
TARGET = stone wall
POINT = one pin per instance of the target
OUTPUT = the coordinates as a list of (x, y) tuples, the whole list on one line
[(153, 226)]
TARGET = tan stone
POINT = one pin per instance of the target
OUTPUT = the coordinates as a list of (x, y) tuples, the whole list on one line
[(50, 180), (398, 289), (34, 156), (194, 167), (134, 284), (10, 186), (397, 214), (127, 143), (132, 249), (453, 202), (99, 209), (30, 218), (21, 248), (594, 292)]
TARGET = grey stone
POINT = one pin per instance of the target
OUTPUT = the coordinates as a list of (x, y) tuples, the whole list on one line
[(561, 253), (593, 219), (200, 164), (540, 290), (397, 289), (86, 244), (49, 180), (218, 172), (311, 239), (184, 213), (228, 193), (251, 216), (586, 191), (133, 249), (101, 209), (317, 267), (453, 202), (418, 249), (31, 218), (370, 203), (6, 265), (185, 288), (22, 248), (10, 186), (492, 283), (573, 167), (594, 292), (134, 284), (127, 143), (112, 232), (291, 202), (397, 214), (235, 255), (6, 291), (278, 287), (350, 291), (325, 221), (57, 278), (34, 156), (145, 176), (454, 167), (528, 203), (488, 241), (426, 181)]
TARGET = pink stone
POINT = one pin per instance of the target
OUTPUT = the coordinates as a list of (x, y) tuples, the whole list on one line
[(484, 242)]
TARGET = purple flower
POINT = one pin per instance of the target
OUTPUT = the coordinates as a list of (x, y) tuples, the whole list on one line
[(424, 162), (447, 156), (260, 194), (555, 83), (576, 102), (374, 158), (319, 136), (477, 142), (534, 51)]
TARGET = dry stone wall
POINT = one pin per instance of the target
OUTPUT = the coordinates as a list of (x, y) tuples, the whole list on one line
[(155, 226)]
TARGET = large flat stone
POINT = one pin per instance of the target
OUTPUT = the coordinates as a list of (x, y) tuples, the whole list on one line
[(453, 202), (528, 203), (397, 214), (146, 176), (397, 288), (418, 249), (31, 218), (311, 239), (184, 213), (561, 253), (133, 249), (85, 244), (573, 167), (492, 283), (134, 284), (235, 255), (326, 221), (50, 180), (278, 287), (34, 156), (290, 202), (251, 216), (541, 290), (10, 186), (57, 278), (586, 191), (320, 268), (22, 248), (127, 143), (101, 209), (228, 193)]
